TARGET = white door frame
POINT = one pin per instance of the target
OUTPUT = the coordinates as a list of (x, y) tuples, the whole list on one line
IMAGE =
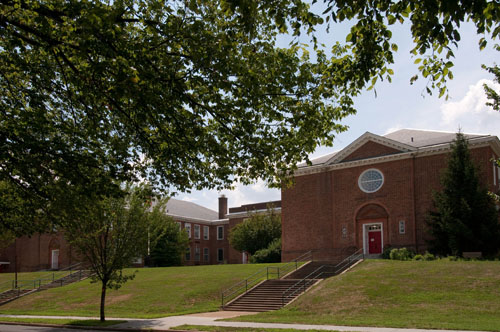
[(54, 263), (365, 236)]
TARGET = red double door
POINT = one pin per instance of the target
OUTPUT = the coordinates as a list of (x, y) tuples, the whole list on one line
[(375, 242)]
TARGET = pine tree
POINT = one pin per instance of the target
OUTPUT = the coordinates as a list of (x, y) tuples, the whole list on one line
[(464, 217)]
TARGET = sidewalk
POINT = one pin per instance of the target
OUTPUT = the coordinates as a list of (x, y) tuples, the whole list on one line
[(211, 319)]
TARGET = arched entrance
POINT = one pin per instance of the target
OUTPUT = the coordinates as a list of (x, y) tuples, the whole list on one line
[(371, 225)]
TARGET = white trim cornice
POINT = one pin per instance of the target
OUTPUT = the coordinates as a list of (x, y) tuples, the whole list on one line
[(491, 141), (365, 138)]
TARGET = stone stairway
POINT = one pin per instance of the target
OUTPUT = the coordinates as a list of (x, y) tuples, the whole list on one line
[(12, 294), (70, 278), (307, 269), (264, 297)]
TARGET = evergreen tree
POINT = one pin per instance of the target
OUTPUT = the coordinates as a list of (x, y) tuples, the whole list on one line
[(464, 217)]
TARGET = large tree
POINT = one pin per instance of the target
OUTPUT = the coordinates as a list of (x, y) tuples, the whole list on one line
[(464, 217), (113, 232), (191, 94)]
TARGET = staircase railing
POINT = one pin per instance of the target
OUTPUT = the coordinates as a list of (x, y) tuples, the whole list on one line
[(320, 273), (269, 272), (23, 284)]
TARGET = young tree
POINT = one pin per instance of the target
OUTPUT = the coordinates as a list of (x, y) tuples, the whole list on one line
[(170, 246), (464, 217), (256, 233), (112, 232)]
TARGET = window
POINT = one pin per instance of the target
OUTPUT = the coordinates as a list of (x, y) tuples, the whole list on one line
[(220, 255), (370, 180), (179, 225), (206, 231), (187, 227), (188, 254), (197, 232), (220, 232), (197, 254), (402, 229), (205, 255)]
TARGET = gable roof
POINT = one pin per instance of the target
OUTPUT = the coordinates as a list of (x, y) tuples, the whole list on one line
[(404, 140), (176, 207), (369, 137), (421, 138)]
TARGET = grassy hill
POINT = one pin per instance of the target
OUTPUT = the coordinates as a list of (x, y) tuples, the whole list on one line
[(155, 292), (437, 295)]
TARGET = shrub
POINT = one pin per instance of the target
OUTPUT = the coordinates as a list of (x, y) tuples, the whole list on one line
[(387, 252), (401, 254), (418, 257), (271, 254), (428, 256)]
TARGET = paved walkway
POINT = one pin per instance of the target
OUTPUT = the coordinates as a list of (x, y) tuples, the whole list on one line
[(211, 319)]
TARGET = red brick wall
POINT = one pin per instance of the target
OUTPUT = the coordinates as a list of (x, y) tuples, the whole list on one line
[(370, 149), (213, 244), (318, 206), (34, 253)]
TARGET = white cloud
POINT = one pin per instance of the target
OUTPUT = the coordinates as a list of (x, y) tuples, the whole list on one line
[(471, 113)]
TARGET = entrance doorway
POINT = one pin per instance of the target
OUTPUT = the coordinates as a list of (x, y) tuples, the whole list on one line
[(55, 259), (372, 239)]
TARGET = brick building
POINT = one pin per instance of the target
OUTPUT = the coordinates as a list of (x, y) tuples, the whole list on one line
[(207, 230), (374, 193)]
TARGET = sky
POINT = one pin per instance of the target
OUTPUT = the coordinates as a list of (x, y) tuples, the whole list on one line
[(397, 105)]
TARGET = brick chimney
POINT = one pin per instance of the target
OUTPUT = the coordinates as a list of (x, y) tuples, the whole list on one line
[(222, 207)]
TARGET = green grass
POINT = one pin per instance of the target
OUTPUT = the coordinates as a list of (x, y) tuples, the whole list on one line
[(71, 322), (235, 329), (415, 294), (25, 279), (155, 292)]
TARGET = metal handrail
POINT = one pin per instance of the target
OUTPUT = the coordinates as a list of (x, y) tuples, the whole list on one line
[(51, 277), (307, 280), (262, 274)]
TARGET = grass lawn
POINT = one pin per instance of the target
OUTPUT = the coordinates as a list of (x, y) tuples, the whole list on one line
[(71, 322), (7, 278), (235, 329), (155, 292), (415, 294)]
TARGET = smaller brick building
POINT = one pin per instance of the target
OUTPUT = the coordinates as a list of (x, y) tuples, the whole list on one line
[(207, 230), (374, 193)]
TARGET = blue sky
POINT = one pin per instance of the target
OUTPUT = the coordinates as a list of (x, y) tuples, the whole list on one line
[(398, 105)]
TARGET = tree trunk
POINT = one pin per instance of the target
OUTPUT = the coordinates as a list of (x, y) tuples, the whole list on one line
[(103, 299)]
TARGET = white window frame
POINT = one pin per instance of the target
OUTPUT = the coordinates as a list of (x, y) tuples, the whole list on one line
[(197, 231), (206, 255), (206, 233), (188, 252), (218, 256), (219, 237), (187, 227), (361, 176), (402, 227)]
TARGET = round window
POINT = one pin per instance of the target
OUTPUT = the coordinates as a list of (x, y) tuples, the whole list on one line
[(371, 180)]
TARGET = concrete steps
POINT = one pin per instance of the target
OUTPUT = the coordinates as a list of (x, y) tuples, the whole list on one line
[(264, 297), (71, 278), (12, 294)]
